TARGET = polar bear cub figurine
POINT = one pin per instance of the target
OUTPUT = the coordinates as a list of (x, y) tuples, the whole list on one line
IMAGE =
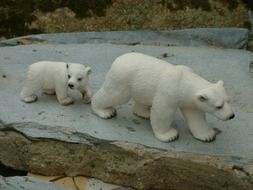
[(158, 90), (56, 78)]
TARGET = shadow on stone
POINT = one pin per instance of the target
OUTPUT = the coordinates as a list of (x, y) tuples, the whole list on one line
[(8, 171)]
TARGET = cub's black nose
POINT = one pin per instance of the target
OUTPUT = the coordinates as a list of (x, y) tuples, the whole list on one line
[(232, 116), (71, 86)]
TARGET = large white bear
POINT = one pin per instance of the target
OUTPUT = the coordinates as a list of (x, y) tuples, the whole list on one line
[(158, 90), (56, 78)]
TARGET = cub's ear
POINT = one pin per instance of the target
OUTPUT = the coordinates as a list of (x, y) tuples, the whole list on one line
[(220, 82), (88, 70), (202, 97), (67, 65)]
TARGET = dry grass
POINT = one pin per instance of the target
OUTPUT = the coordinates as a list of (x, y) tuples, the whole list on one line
[(141, 14)]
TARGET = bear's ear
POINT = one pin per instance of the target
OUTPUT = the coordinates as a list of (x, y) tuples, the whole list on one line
[(202, 97), (220, 82), (88, 70), (67, 65)]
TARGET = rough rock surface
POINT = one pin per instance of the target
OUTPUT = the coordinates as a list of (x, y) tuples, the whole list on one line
[(125, 163), (47, 138)]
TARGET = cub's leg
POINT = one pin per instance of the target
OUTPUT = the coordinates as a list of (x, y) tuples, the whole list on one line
[(31, 86), (28, 94), (62, 95), (86, 94), (161, 118), (109, 96), (141, 110), (197, 124)]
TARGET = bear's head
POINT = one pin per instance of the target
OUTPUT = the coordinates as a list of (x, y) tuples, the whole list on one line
[(214, 100), (78, 76)]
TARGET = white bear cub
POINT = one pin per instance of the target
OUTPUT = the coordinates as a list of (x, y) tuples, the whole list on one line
[(158, 90), (56, 78)]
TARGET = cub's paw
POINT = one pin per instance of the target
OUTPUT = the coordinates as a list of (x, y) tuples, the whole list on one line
[(107, 113), (168, 136), (30, 99), (67, 101), (86, 99), (208, 135)]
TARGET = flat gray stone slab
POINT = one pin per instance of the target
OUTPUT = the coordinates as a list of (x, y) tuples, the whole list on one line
[(236, 38), (46, 118), (26, 183)]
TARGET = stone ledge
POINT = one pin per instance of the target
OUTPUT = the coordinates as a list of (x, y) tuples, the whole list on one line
[(47, 138)]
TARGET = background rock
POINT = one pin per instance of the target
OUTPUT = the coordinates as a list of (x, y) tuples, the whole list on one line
[(234, 38), (27, 16)]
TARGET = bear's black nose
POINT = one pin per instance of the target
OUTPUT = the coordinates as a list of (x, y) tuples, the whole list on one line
[(232, 116), (71, 86)]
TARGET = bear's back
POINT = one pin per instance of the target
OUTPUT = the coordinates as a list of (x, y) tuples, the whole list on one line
[(138, 62), (48, 72), (48, 67)]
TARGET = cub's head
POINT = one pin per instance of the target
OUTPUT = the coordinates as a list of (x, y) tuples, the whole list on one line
[(214, 100), (78, 76)]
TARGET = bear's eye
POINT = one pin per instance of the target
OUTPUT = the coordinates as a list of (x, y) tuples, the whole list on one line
[(219, 107), (69, 76), (79, 79)]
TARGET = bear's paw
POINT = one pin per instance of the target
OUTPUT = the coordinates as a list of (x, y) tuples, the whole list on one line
[(30, 99), (168, 136), (86, 99), (208, 135), (67, 101), (107, 113)]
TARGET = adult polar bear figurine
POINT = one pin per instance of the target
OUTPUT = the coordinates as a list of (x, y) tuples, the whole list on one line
[(158, 90)]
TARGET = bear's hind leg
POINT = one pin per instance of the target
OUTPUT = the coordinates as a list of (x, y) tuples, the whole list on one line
[(28, 98), (197, 124), (104, 101), (161, 118), (28, 93), (141, 110)]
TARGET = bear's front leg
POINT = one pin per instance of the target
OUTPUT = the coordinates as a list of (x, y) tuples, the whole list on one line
[(62, 96), (197, 124), (86, 94), (161, 119)]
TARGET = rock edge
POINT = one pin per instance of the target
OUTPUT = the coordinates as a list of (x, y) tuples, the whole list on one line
[(122, 163)]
